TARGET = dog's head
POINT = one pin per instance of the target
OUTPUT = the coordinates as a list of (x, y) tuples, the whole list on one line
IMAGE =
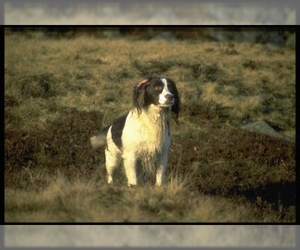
[(159, 91)]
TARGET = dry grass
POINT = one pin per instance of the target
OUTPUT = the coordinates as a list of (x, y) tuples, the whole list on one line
[(58, 92), (88, 201)]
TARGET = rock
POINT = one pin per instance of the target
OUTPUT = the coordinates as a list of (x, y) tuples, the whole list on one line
[(265, 128)]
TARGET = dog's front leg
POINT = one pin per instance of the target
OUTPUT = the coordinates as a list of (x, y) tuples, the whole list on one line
[(161, 170), (130, 169)]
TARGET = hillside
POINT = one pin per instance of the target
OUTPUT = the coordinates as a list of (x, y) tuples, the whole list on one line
[(60, 91)]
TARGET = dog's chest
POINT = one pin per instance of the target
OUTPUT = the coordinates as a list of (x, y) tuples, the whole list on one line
[(146, 135)]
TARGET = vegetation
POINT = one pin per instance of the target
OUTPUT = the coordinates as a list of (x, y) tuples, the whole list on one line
[(60, 91)]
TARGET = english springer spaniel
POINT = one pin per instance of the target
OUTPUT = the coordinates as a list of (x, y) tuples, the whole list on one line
[(141, 138)]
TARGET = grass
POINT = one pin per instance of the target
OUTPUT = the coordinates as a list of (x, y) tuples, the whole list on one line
[(88, 201), (59, 91)]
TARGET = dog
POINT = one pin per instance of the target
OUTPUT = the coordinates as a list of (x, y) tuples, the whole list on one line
[(141, 138)]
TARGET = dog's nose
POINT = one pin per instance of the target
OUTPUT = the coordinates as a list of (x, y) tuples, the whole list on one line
[(169, 97)]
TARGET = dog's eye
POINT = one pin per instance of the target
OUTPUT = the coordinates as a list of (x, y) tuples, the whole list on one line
[(158, 87)]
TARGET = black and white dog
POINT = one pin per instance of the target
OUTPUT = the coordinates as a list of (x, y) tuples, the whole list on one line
[(141, 139)]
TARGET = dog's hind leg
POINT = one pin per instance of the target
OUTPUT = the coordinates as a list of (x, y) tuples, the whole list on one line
[(112, 157), (112, 162)]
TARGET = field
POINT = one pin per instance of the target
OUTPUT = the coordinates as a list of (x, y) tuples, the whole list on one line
[(59, 91)]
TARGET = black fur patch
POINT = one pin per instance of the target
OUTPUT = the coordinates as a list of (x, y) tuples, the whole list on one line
[(117, 130)]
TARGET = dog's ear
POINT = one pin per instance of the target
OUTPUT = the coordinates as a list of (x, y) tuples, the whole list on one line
[(144, 82), (139, 92), (176, 106)]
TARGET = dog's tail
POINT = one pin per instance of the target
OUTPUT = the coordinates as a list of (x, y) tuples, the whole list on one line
[(99, 140)]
